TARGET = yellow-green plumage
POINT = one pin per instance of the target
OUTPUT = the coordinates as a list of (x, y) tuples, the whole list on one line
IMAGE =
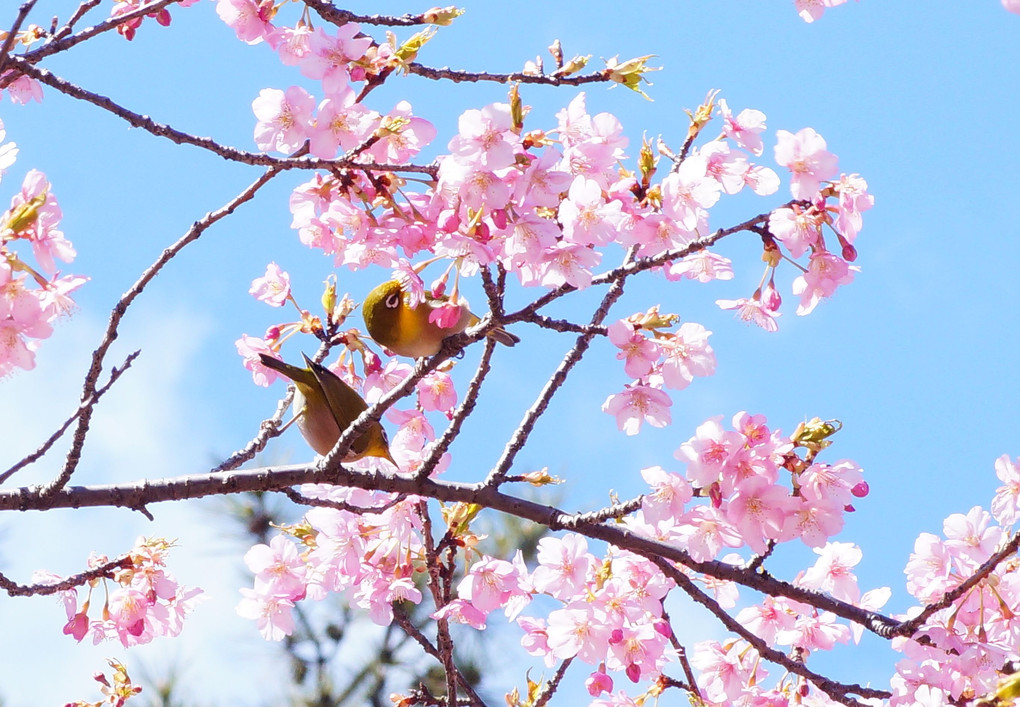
[(325, 406), (406, 330)]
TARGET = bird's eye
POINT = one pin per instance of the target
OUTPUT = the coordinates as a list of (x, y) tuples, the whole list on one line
[(393, 301)]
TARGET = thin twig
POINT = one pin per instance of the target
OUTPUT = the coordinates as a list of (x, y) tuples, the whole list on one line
[(339, 17), (461, 413), (550, 687), (68, 27), (233, 154), (459, 76), (82, 407), (524, 429), (303, 500), (5, 48), (89, 386), (63, 44), (405, 623), (267, 430), (24, 590), (836, 690), (907, 628)]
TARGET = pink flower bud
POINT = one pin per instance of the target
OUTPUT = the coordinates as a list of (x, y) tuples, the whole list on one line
[(715, 494), (861, 489), (634, 672), (598, 682), (499, 218)]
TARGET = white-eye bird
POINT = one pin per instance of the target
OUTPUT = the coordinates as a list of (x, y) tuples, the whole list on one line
[(325, 406), (406, 331)]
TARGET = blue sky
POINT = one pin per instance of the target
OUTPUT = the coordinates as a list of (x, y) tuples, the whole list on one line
[(917, 357)]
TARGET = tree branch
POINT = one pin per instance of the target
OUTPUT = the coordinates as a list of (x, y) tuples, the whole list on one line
[(89, 386), (87, 405), (5, 48)]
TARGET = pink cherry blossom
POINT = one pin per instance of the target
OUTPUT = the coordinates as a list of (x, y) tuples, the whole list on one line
[(1006, 504), (284, 118), (804, 154), (277, 567), (587, 218), (687, 354), (688, 191), (638, 404), (758, 510), (23, 89), (825, 273), (752, 310), (291, 43), (563, 566), (248, 18), (329, 56), (340, 122), (833, 573), (723, 670), (249, 348), (709, 451), (273, 615), (484, 137), (798, 229), (854, 200), (568, 264), (703, 266), (437, 392), (579, 629), (745, 129), (402, 135), (638, 351), (1012, 5), (273, 288)]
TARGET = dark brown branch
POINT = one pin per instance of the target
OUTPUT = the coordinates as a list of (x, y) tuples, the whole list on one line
[(68, 27), (182, 138), (465, 408), (405, 623), (907, 628), (87, 405), (339, 17), (523, 431), (5, 49), (267, 430), (617, 510), (138, 494), (24, 590), (459, 76), (550, 687), (835, 690), (340, 505), (562, 325), (59, 45), (98, 356)]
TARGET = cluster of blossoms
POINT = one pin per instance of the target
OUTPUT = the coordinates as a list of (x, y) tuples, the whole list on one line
[(370, 557), (31, 300), (962, 650), (127, 29), (610, 610), (661, 359), (145, 602)]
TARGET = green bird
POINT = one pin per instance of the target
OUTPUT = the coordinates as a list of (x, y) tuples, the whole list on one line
[(325, 406), (406, 330)]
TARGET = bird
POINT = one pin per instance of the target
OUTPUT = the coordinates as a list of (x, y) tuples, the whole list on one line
[(325, 406), (406, 330)]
